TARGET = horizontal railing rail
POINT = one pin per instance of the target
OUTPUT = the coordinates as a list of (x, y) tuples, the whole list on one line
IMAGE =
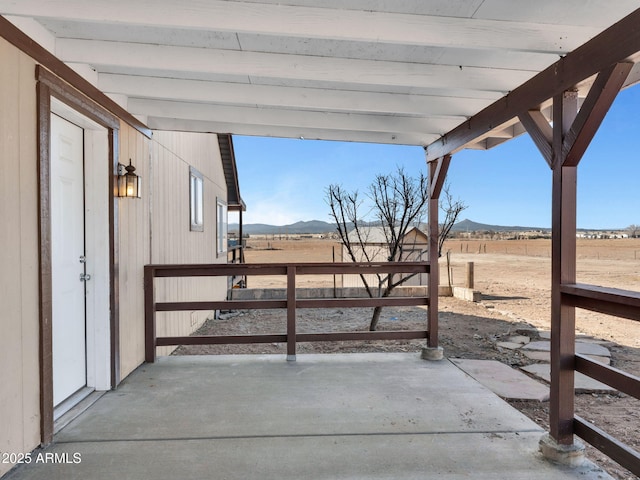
[(610, 301), (290, 303), (622, 381), (282, 338), (620, 303), (607, 444)]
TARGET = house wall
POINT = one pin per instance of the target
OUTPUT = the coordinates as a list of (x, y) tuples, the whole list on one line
[(156, 229), (134, 250), (19, 316), (165, 173), (172, 241)]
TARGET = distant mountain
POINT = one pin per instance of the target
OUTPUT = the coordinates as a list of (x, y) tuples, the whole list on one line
[(318, 226), (313, 226), (467, 225)]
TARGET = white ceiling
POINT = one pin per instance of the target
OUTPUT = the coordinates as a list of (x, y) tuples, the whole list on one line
[(385, 71)]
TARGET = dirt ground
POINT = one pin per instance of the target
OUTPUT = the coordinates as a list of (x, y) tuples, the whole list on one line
[(514, 280)]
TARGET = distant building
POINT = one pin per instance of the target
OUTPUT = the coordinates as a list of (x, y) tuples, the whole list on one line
[(414, 248)]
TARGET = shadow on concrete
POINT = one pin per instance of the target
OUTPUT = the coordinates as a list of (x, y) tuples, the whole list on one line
[(354, 416)]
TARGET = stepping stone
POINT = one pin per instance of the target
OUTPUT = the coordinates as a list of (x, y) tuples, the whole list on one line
[(604, 343), (542, 346), (597, 358), (537, 355), (519, 339), (583, 348), (592, 349), (509, 345), (583, 384), (503, 380), (545, 334), (546, 357)]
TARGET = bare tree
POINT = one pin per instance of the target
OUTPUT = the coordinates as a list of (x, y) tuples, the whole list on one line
[(452, 209), (399, 202), (633, 230)]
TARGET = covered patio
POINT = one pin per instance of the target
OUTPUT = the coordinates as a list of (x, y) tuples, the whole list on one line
[(445, 75), (350, 416)]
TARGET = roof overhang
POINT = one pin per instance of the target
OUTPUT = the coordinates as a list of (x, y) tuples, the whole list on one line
[(385, 72), (228, 156), (577, 70)]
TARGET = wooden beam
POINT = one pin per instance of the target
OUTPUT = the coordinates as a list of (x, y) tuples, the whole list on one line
[(114, 258), (362, 302), (149, 315), (357, 336), (181, 62), (41, 55), (311, 22), (563, 270), (610, 446), (220, 339), (300, 98), (599, 99), (614, 45), (252, 129), (45, 285), (610, 301), (309, 268), (291, 313), (291, 118), (540, 132), (622, 381), (439, 176), (70, 96), (299, 337)]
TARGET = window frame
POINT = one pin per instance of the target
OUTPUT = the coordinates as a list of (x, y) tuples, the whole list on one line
[(196, 200), (222, 227)]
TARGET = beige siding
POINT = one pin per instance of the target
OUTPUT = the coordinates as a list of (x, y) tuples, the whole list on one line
[(165, 192), (19, 360), (133, 235), (172, 241)]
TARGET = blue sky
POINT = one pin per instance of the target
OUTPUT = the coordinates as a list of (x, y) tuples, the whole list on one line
[(283, 181)]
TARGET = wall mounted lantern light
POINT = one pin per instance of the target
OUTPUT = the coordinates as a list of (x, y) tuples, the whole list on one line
[(128, 181)]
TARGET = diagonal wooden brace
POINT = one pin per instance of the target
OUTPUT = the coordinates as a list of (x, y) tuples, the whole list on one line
[(602, 94)]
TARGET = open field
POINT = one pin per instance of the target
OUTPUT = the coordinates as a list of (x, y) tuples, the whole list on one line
[(518, 284), (513, 277)]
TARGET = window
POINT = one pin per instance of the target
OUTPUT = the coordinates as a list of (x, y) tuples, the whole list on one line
[(221, 230), (196, 200)]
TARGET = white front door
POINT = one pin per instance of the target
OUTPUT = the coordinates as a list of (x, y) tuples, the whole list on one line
[(67, 259)]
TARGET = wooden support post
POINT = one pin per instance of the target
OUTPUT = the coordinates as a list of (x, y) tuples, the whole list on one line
[(291, 313), (434, 274), (469, 275), (240, 226), (563, 148), (437, 174), (149, 315), (563, 270)]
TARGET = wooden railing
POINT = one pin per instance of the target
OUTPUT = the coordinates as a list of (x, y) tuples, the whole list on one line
[(621, 303), (235, 255), (291, 303)]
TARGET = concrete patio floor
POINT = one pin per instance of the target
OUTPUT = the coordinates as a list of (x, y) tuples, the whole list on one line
[(352, 416)]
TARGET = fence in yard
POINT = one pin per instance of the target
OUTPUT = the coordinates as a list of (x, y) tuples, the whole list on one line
[(292, 271)]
